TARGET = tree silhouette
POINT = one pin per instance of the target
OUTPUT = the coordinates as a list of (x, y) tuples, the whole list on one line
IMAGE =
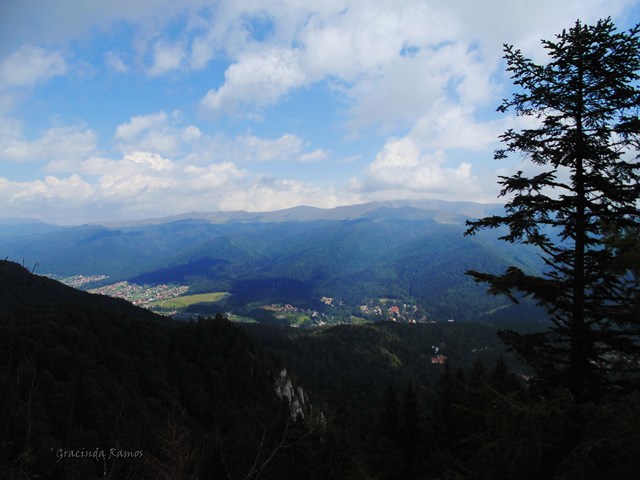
[(582, 188)]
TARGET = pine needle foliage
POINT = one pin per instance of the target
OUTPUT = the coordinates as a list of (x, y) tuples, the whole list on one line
[(581, 188)]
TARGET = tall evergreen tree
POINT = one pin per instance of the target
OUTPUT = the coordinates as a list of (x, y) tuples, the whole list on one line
[(584, 144)]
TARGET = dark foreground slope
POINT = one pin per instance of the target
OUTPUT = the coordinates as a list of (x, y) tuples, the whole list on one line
[(22, 290), (394, 414), (90, 385), (349, 367), (105, 390)]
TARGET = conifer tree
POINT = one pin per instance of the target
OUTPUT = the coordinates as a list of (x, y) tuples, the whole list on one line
[(584, 186), (389, 422)]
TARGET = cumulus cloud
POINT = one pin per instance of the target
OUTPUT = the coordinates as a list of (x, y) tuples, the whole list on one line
[(60, 146), (166, 134), (166, 58), (136, 184), (256, 80), (267, 194), (30, 65), (288, 148), (139, 124), (68, 189), (402, 90), (54, 199), (422, 72), (261, 149), (138, 174), (403, 170), (448, 125), (391, 59), (160, 132), (201, 53)]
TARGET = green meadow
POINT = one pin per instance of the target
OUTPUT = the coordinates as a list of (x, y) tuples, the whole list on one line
[(186, 300)]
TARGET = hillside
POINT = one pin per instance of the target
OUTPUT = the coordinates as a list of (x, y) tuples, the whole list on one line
[(90, 391), (150, 398), (350, 366), (22, 291), (413, 252)]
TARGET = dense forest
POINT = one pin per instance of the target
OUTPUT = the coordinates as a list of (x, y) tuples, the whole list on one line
[(82, 377), (133, 395)]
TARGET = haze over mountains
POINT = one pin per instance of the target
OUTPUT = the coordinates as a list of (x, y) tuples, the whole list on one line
[(410, 251), (436, 209)]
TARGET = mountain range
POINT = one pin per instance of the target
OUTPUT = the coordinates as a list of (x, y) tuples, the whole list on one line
[(412, 251)]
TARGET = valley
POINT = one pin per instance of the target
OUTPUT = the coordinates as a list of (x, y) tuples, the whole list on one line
[(175, 301), (330, 265)]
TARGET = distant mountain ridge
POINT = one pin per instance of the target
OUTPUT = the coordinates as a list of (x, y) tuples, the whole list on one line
[(437, 209), (410, 251)]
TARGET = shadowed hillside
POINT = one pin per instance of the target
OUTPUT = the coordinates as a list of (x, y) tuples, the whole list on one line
[(81, 373)]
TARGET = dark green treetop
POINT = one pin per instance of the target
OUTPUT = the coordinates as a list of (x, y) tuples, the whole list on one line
[(584, 143)]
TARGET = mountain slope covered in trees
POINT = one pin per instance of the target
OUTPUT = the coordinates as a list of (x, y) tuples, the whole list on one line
[(353, 254), (89, 388)]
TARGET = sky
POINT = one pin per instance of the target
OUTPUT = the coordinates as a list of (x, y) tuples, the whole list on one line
[(130, 109)]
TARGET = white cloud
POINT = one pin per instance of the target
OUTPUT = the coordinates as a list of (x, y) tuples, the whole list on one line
[(60, 146), (403, 170), (448, 125), (260, 149), (52, 199), (54, 188), (400, 93), (191, 133), (152, 161), (425, 71), (268, 194), (357, 38), (315, 156), (30, 65), (166, 58), (358, 44), (288, 147), (142, 184), (137, 176), (158, 132), (256, 80), (201, 54), (114, 61), (392, 59), (139, 124), (215, 175)]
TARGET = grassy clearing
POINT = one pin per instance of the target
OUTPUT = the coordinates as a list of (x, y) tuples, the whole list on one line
[(177, 303), (240, 319), (358, 320)]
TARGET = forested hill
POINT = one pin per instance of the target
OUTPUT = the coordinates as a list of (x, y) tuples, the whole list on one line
[(90, 389), (20, 289), (415, 253)]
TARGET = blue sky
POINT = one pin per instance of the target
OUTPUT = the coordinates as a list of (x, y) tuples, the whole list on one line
[(127, 109)]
